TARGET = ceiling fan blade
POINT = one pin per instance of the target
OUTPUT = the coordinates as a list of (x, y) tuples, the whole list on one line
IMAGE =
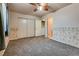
[(36, 5), (33, 4), (45, 7)]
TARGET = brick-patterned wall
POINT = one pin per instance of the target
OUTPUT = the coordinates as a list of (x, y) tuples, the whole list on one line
[(68, 35)]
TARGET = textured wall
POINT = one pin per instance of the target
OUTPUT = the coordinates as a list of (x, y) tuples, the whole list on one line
[(66, 25), (68, 35)]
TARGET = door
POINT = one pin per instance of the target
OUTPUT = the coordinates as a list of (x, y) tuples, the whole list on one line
[(2, 41), (26, 28), (49, 23), (22, 28), (31, 28)]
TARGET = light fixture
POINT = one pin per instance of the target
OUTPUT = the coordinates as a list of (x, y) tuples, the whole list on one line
[(40, 6)]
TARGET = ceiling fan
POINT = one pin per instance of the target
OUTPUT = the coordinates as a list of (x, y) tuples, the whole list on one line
[(40, 6)]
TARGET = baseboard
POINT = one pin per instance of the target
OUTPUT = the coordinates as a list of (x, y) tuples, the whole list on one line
[(6, 44), (28, 37)]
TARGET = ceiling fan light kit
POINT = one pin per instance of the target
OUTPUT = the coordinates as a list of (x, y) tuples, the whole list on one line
[(40, 6)]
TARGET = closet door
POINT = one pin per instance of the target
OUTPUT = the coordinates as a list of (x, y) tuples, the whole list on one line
[(31, 28), (22, 28), (25, 28)]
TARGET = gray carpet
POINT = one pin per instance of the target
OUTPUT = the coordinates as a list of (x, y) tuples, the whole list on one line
[(39, 46)]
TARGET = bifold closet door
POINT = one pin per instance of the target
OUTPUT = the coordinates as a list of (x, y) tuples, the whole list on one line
[(22, 28), (31, 28), (25, 28)]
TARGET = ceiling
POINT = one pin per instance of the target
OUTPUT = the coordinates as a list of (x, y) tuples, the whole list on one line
[(26, 8)]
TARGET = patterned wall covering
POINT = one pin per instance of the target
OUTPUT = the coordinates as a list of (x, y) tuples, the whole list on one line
[(68, 35)]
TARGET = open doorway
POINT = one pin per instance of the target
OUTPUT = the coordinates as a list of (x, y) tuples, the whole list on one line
[(49, 27), (5, 22), (2, 44), (5, 19), (43, 27)]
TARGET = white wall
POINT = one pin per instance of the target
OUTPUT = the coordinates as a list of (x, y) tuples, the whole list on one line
[(13, 19), (66, 25), (67, 16)]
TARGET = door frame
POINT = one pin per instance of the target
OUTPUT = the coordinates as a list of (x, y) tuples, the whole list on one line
[(51, 27)]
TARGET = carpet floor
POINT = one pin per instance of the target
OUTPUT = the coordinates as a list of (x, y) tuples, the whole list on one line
[(39, 46)]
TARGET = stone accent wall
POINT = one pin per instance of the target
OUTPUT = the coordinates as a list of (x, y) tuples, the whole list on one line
[(68, 35)]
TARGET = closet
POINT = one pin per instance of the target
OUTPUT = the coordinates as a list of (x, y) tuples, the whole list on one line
[(25, 28)]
